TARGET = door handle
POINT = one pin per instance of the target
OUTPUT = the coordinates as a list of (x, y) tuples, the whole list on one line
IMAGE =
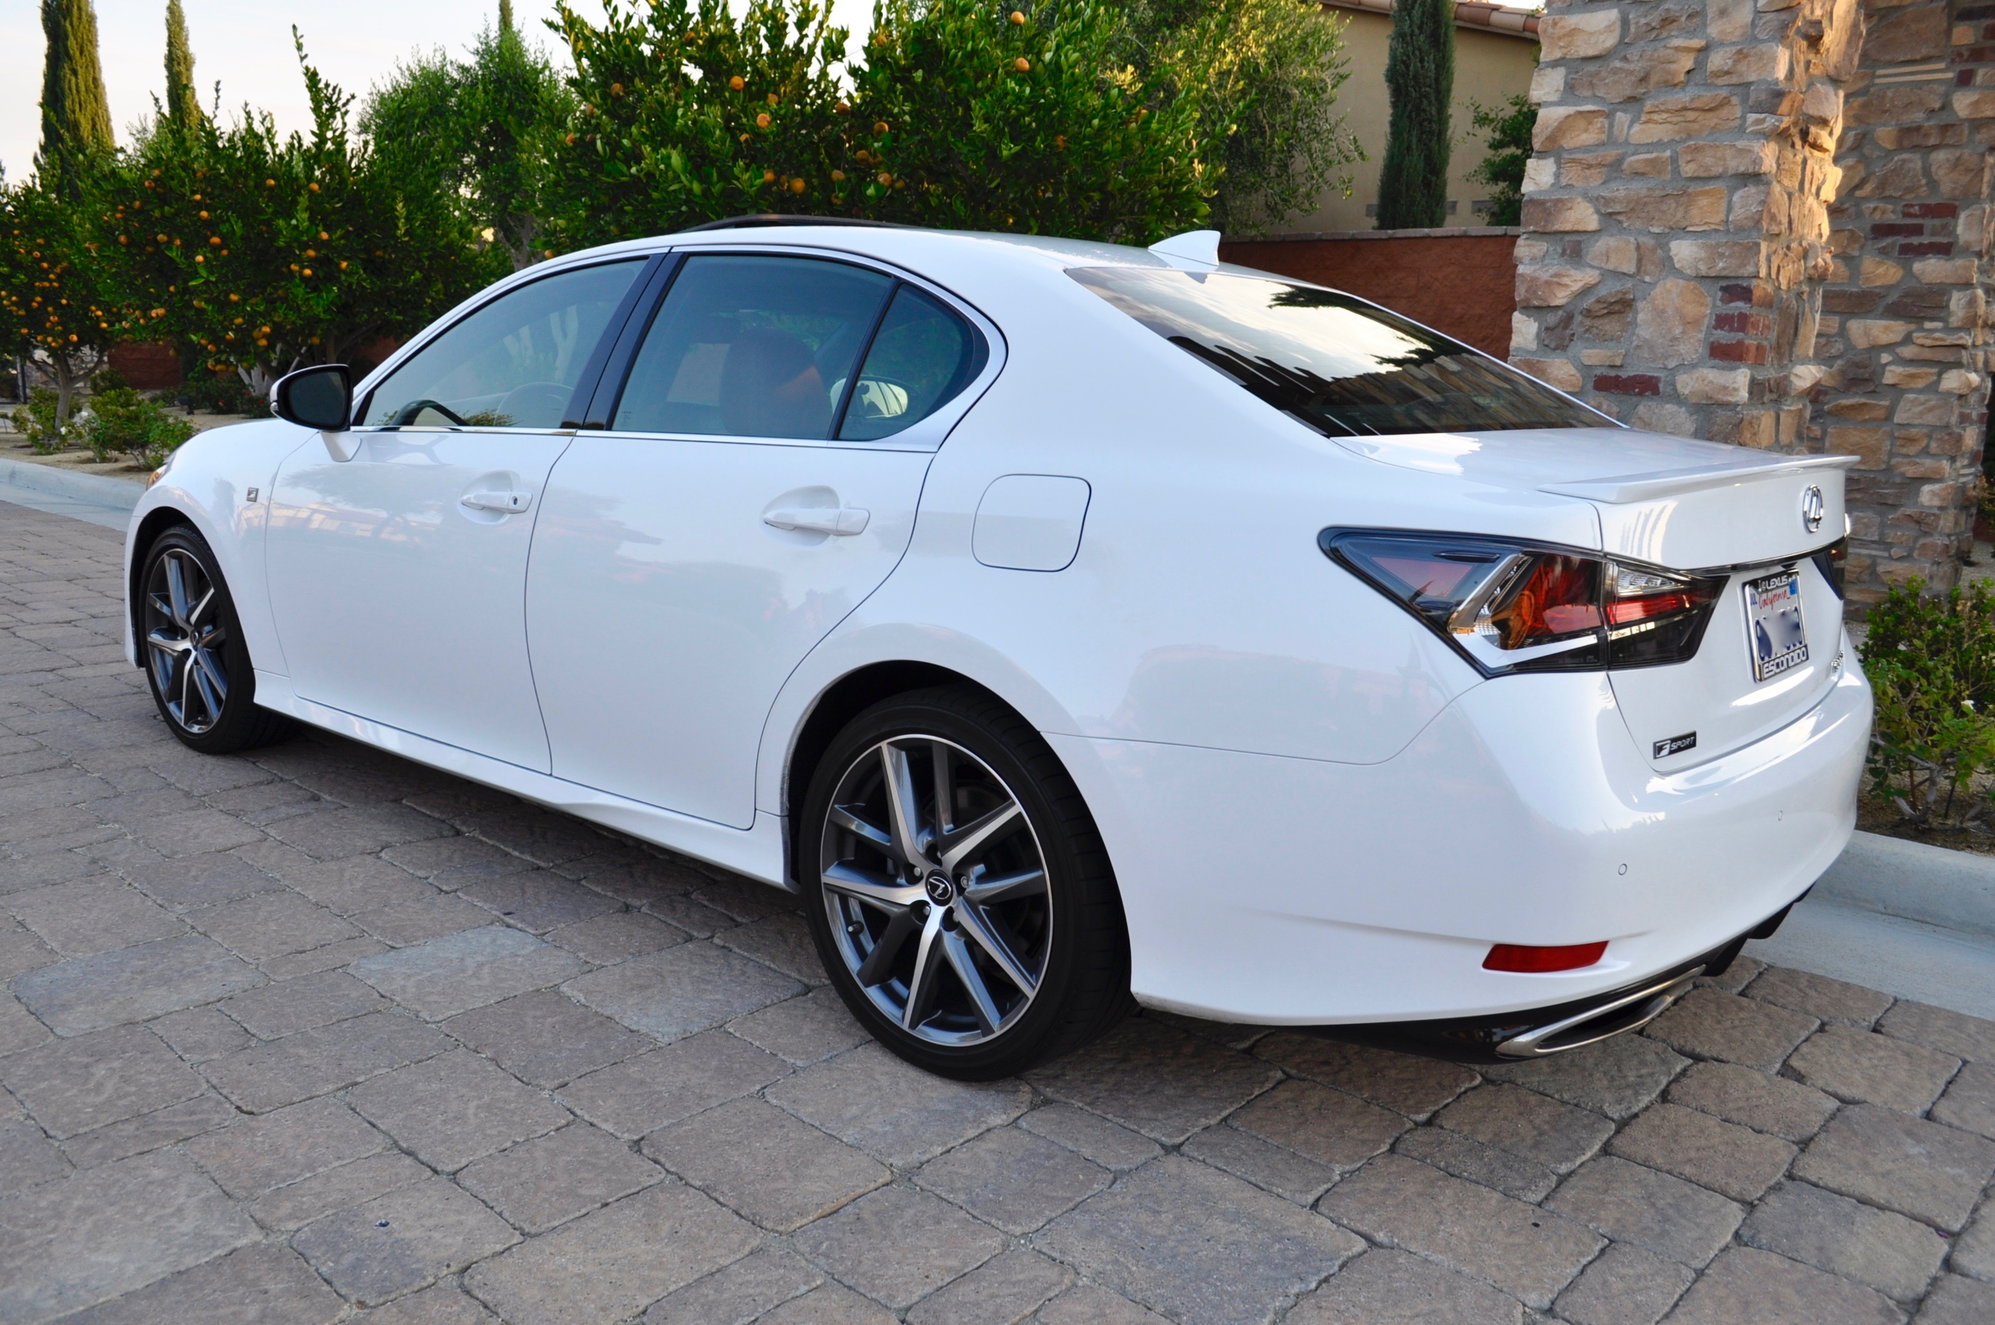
[(838, 521), (505, 503)]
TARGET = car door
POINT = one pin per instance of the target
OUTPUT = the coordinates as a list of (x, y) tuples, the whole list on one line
[(398, 576), (757, 478)]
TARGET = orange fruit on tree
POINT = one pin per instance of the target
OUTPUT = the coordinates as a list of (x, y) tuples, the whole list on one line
[(1023, 65), (1017, 19), (762, 120), (737, 82)]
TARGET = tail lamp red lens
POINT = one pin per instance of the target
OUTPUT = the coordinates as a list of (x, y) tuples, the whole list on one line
[(1527, 607), (1527, 959)]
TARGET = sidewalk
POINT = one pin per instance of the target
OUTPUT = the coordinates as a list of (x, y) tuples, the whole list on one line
[(317, 1032)]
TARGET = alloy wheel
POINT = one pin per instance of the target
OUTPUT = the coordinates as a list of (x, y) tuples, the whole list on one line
[(184, 636), (935, 887)]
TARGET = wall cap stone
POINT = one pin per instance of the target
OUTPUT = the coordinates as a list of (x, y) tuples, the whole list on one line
[(1437, 232)]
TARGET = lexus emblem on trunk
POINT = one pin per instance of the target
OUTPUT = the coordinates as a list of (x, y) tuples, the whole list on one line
[(1812, 508)]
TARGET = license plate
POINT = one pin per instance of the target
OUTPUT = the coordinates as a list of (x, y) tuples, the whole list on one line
[(1774, 632)]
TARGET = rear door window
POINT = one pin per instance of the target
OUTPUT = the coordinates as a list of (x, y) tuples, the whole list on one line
[(753, 346), (922, 355), (1336, 363)]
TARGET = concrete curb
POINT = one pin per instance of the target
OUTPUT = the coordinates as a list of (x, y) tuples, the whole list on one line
[(98, 489), (1936, 885)]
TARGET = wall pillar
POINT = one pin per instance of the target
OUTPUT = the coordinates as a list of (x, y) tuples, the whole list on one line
[(1676, 227), (1904, 331), (1746, 222)]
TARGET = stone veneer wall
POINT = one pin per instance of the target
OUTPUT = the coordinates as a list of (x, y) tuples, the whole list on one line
[(1905, 311), (1678, 234)]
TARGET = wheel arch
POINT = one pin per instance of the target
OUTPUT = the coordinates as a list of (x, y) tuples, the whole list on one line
[(843, 699), (155, 522)]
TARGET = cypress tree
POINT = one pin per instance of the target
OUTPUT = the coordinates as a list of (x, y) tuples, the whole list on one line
[(183, 107), (1420, 82), (76, 116)]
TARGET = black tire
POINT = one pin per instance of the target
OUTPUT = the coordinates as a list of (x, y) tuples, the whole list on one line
[(191, 647), (1019, 970)]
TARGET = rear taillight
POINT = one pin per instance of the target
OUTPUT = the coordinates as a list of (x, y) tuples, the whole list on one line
[(1514, 607)]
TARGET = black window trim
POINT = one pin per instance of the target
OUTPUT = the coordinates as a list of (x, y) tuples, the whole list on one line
[(926, 434), (592, 367)]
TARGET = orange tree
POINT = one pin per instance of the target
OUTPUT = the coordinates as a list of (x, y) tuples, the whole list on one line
[(977, 115), (685, 113), (53, 306), (963, 113), (259, 252)]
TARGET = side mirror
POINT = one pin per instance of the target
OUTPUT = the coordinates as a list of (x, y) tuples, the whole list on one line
[(319, 397)]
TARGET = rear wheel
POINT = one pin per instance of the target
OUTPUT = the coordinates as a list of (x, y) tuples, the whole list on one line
[(192, 647), (959, 893)]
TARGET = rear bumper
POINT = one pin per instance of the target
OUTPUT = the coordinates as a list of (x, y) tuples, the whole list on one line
[(1541, 1032), (1304, 893)]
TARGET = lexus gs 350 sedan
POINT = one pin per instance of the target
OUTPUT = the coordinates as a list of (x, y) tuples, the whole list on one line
[(1064, 622)]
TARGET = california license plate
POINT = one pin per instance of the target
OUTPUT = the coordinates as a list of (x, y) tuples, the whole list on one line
[(1775, 634)]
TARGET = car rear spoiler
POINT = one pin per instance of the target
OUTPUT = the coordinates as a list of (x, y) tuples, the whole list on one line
[(1671, 482)]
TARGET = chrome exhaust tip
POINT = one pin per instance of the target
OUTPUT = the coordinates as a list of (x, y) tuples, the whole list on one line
[(1629, 1012)]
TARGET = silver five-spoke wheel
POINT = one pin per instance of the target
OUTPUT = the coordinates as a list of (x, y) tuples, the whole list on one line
[(935, 888), (191, 647), (184, 638)]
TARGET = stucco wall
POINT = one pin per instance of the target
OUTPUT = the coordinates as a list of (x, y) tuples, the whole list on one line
[(1490, 68), (1461, 284)]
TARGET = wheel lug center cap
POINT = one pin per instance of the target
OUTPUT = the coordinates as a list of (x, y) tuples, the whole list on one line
[(940, 890)]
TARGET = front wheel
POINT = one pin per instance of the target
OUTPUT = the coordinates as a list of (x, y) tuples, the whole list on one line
[(958, 890), (192, 646)]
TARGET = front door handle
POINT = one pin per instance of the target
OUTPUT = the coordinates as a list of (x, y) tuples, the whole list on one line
[(838, 521), (505, 503)]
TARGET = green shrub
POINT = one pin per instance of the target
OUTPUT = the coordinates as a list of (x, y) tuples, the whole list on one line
[(1506, 128), (1931, 661), (964, 113), (37, 422), (123, 422)]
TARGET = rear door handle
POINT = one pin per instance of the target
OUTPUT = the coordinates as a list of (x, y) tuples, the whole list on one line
[(506, 503), (838, 521)]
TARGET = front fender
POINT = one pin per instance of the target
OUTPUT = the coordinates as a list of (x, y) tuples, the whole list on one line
[(207, 485)]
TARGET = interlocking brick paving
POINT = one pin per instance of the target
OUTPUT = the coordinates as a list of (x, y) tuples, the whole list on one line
[(313, 1031)]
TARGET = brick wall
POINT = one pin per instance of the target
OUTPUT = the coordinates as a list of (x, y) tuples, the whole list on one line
[(1461, 282), (147, 367)]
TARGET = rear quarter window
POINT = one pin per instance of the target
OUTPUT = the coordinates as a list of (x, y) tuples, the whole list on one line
[(1336, 363)]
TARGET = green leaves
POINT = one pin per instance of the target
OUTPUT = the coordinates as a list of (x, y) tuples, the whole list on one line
[(1931, 663), (256, 252), (1420, 78)]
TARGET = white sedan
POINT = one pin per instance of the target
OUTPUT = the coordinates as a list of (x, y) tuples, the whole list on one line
[(1065, 622)]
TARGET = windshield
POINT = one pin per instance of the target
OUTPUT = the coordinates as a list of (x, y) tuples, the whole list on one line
[(1336, 363)]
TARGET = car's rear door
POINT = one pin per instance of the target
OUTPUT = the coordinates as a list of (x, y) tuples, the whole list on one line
[(754, 479), (398, 576)]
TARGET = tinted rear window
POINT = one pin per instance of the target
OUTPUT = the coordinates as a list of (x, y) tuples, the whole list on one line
[(1336, 363)]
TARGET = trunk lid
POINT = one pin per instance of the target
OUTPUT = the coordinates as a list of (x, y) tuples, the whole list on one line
[(1753, 516)]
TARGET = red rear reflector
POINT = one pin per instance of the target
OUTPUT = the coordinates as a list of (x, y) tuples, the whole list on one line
[(1536, 961)]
